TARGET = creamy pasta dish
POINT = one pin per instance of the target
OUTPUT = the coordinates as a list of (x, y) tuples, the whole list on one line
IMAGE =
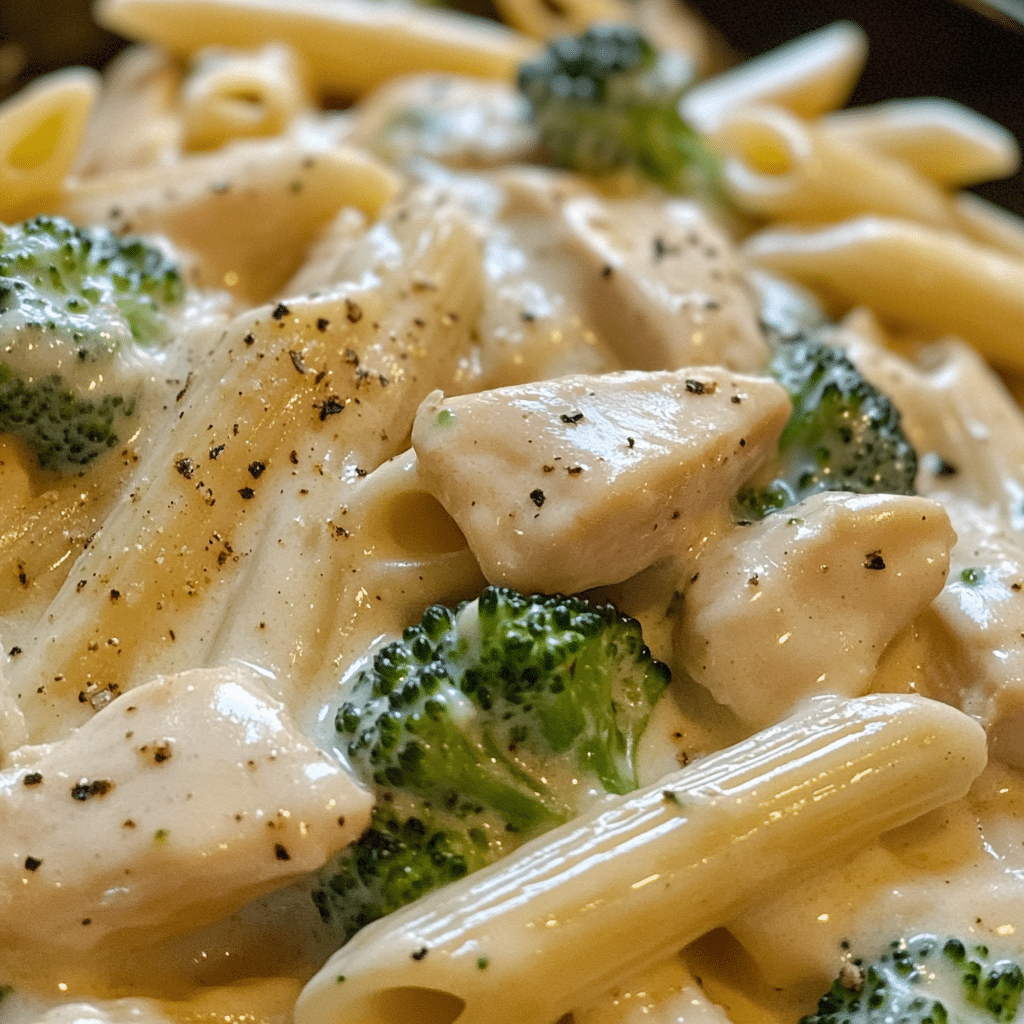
[(314, 318)]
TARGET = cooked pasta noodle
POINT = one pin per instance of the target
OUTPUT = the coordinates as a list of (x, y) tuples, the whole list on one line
[(944, 141), (541, 20), (779, 167), (140, 88), (810, 76), (348, 45), (40, 131), (239, 95), (946, 282), (249, 211)]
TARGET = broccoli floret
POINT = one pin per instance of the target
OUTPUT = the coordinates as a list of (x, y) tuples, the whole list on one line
[(926, 980), (80, 310), (482, 727), (608, 99), (842, 435), (403, 855)]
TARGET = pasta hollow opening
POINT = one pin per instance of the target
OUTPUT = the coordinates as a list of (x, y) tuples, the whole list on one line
[(411, 1005), (246, 105), (417, 522), (37, 147), (764, 151)]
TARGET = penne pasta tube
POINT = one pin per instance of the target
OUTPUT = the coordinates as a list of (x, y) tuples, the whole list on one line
[(40, 131), (809, 76), (936, 281), (348, 46), (140, 88), (781, 167), (235, 95), (248, 212), (527, 939), (990, 224), (543, 20), (941, 139)]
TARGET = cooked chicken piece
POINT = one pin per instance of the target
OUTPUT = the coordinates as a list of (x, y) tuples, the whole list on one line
[(584, 481), (805, 601), (177, 803)]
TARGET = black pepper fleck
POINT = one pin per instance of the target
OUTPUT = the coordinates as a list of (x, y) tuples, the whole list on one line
[(420, 953), (85, 790), (247, 493), (257, 469), (32, 863), (181, 394), (281, 853), (32, 779), (280, 311), (874, 560), (330, 407), (537, 497)]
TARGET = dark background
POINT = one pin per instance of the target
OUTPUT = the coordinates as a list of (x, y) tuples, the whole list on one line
[(972, 51)]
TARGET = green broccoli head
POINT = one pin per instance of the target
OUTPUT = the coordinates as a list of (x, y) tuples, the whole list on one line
[(80, 311), (843, 433), (925, 980), (608, 99), (482, 727)]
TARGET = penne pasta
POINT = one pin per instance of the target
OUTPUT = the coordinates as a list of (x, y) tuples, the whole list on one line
[(140, 88), (809, 76), (777, 166), (40, 131), (990, 224), (348, 46), (233, 95), (945, 141), (946, 283), (541, 20), (247, 213), (523, 940)]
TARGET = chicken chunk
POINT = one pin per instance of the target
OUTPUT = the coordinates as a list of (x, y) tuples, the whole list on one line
[(583, 481), (806, 601), (176, 803)]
